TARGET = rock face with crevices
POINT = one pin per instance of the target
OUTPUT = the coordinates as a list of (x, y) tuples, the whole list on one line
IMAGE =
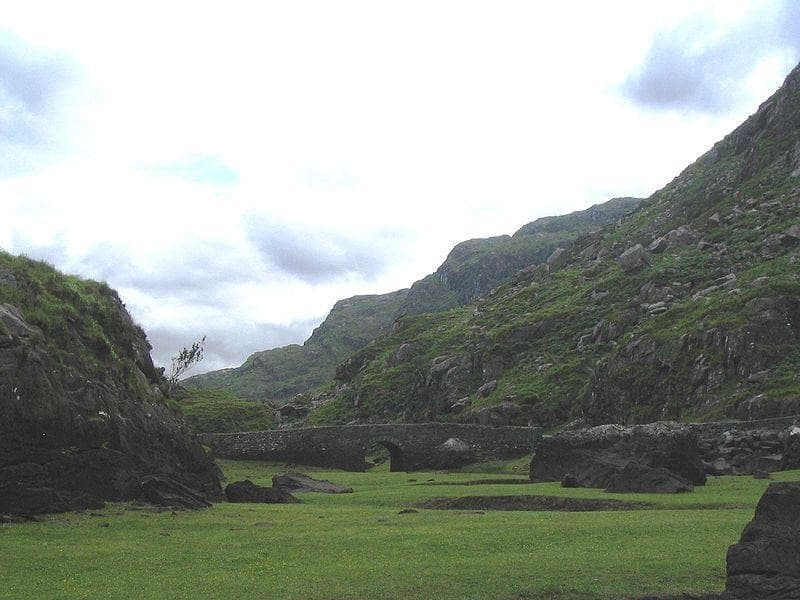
[(765, 564), (82, 415)]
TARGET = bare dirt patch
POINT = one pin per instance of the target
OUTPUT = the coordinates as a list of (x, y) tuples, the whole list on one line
[(535, 503), (503, 481)]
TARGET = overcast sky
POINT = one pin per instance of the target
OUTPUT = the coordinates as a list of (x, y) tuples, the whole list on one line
[(234, 168)]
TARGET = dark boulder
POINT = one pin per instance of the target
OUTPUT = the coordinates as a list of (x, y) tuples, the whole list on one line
[(570, 481), (765, 564), (298, 482), (165, 491), (635, 477), (247, 491), (596, 455)]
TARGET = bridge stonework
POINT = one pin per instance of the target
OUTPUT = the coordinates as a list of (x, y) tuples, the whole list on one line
[(412, 447)]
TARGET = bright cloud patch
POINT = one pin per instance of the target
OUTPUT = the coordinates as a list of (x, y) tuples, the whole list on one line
[(198, 169), (699, 66), (32, 85), (318, 256)]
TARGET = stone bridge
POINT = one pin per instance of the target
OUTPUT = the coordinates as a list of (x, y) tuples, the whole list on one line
[(412, 447)]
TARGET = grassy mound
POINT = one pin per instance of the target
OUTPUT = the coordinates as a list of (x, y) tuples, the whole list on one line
[(219, 411)]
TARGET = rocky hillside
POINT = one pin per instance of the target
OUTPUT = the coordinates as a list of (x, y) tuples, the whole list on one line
[(472, 269), (82, 414), (688, 308)]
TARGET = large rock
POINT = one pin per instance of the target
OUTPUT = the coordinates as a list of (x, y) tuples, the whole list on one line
[(635, 477), (165, 491), (454, 453), (765, 564), (82, 415), (298, 482), (633, 259), (598, 456), (558, 259), (247, 491), (682, 236)]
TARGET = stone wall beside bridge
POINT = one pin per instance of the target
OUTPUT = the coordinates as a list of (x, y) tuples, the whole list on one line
[(412, 447)]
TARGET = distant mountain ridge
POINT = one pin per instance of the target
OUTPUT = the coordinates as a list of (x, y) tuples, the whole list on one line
[(472, 269)]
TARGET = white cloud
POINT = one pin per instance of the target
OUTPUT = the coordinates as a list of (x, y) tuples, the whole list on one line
[(370, 137)]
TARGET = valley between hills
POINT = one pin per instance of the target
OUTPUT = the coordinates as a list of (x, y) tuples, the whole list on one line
[(650, 347)]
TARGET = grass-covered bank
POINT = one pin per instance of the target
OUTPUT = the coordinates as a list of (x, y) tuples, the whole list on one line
[(358, 546)]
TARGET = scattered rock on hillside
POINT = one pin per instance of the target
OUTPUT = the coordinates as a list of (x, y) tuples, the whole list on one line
[(633, 259), (299, 482), (247, 491), (682, 236), (658, 245), (796, 160), (765, 564), (487, 388), (558, 259)]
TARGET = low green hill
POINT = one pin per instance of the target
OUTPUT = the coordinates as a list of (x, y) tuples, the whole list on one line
[(218, 411)]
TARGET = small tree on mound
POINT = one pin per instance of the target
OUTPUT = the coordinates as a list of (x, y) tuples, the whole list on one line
[(186, 359)]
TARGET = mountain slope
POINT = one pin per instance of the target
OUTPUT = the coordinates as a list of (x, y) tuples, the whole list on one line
[(472, 269), (475, 267), (688, 308), (281, 373)]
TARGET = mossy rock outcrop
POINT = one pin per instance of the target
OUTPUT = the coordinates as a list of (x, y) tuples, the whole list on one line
[(83, 418)]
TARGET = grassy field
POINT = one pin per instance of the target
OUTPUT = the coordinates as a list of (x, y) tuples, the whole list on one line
[(358, 546)]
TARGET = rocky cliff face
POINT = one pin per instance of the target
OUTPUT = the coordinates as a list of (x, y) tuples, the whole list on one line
[(82, 416), (472, 269), (685, 309)]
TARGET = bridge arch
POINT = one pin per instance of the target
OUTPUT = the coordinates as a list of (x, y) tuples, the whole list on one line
[(397, 461)]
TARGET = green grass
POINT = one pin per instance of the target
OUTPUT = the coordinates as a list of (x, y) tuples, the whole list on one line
[(220, 411), (358, 546), (71, 312)]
